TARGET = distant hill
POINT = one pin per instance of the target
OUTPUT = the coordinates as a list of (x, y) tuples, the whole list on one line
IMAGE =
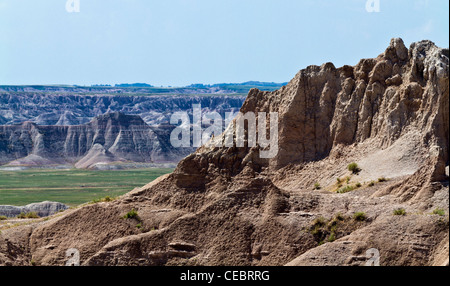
[(65, 107), (133, 85), (109, 138), (146, 89), (73, 105), (240, 87), (212, 88)]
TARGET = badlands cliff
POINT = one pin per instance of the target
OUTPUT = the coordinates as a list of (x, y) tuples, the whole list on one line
[(109, 138), (42, 209), (227, 206), (61, 106)]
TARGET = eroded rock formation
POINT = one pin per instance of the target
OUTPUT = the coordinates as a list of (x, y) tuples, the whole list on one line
[(42, 209), (226, 206), (108, 138), (61, 106)]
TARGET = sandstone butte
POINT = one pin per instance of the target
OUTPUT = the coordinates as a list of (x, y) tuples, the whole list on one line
[(226, 206)]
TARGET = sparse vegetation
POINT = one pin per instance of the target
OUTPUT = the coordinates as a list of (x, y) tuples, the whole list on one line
[(354, 168), (382, 179), (132, 215), (317, 186), (438, 211), (32, 215), (21, 216), (104, 200), (332, 237), (339, 184), (317, 229), (400, 211), (2, 217), (372, 183), (348, 187), (328, 230), (443, 222), (360, 216), (340, 217), (29, 215), (347, 180), (345, 189), (319, 222)]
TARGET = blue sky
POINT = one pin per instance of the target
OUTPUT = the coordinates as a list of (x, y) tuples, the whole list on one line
[(178, 42)]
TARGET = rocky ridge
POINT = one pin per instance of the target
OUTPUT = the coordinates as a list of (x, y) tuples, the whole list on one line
[(227, 206), (109, 138), (67, 106), (43, 209)]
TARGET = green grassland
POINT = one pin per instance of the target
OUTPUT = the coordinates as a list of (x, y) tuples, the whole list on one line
[(72, 187)]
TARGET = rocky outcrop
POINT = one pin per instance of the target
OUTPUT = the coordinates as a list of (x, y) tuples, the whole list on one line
[(327, 113), (109, 138), (76, 107), (325, 107), (227, 206), (43, 209)]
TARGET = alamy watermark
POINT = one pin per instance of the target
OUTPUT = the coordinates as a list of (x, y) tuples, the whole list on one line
[(373, 6), (234, 136), (73, 6), (73, 257), (373, 256)]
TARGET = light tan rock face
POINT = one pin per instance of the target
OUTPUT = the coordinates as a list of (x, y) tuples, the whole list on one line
[(227, 206), (379, 100), (395, 106)]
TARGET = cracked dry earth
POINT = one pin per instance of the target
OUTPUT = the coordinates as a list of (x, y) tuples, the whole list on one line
[(227, 206)]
